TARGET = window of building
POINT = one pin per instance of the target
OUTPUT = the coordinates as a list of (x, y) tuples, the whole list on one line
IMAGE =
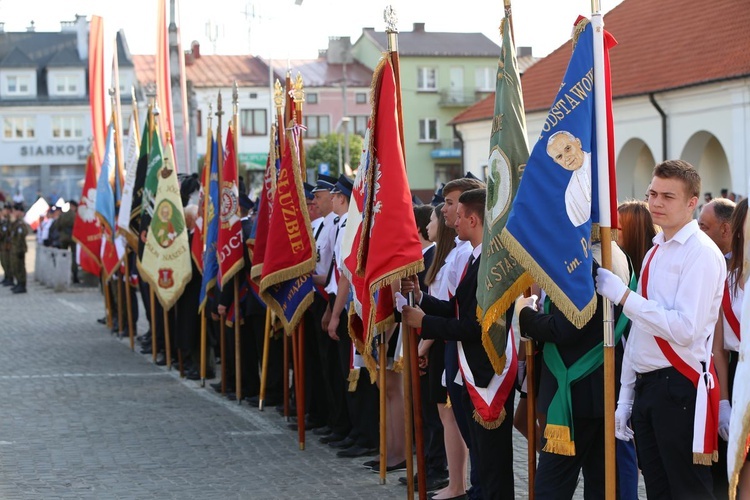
[(360, 124), (253, 122), (485, 79), (67, 127), (66, 84), (18, 85), (311, 98), (18, 127), (426, 79), (361, 97), (199, 123), (446, 173), (428, 130), (317, 126)]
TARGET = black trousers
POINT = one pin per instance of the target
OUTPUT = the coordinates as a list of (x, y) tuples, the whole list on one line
[(663, 415), (249, 359), (494, 449), (315, 391), (432, 431), (334, 385), (557, 475)]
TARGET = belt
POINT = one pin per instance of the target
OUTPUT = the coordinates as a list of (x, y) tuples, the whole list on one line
[(661, 373)]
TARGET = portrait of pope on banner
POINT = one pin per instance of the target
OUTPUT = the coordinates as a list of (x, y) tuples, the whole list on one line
[(565, 150)]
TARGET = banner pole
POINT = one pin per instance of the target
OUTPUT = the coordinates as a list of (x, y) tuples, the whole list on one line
[(411, 368), (264, 363), (383, 362)]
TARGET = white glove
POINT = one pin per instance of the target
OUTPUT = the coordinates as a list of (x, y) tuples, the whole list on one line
[(521, 373), (609, 285), (622, 417), (400, 302), (725, 412)]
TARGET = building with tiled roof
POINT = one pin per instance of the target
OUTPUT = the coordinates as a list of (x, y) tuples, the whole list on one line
[(441, 74), (681, 89), (44, 103)]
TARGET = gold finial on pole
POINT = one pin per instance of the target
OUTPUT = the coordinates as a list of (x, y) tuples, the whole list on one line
[(299, 91), (390, 17), (235, 97), (278, 95)]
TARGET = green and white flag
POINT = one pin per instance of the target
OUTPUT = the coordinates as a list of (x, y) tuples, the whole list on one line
[(502, 279), (166, 261)]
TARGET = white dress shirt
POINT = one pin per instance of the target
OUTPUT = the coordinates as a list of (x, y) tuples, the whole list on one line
[(685, 286), (731, 342), (455, 263), (337, 235), (324, 244)]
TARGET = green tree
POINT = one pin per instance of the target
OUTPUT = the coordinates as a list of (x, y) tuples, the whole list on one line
[(326, 150)]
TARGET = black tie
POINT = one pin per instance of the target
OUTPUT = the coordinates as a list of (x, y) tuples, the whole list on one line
[(333, 255)]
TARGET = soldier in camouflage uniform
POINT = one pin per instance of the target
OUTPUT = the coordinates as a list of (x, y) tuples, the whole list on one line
[(5, 244), (18, 232)]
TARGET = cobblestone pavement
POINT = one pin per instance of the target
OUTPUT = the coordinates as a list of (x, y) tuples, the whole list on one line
[(85, 417)]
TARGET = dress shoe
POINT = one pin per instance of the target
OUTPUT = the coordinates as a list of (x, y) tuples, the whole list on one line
[(102, 321), (267, 403), (430, 496), (280, 409), (433, 482), (355, 451), (371, 463), (331, 438), (161, 359), (347, 442), (308, 425), (7, 282), (231, 396), (20, 289), (146, 349), (322, 431), (389, 468)]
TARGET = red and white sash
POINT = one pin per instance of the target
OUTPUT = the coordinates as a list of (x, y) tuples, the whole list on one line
[(732, 335), (706, 419), (489, 402)]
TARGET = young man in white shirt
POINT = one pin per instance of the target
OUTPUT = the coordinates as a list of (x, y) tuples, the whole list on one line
[(666, 371)]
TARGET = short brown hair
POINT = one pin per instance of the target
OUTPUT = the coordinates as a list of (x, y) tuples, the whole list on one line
[(462, 184), (682, 170), (474, 201)]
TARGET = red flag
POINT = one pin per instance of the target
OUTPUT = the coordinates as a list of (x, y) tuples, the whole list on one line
[(198, 243), (97, 92), (163, 75), (265, 209), (388, 211), (230, 242), (87, 231), (286, 282)]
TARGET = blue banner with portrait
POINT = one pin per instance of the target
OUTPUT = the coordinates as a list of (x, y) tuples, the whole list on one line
[(549, 226)]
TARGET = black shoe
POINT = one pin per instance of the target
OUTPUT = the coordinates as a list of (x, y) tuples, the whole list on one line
[(332, 438), (161, 359), (355, 451), (7, 282), (19, 289), (193, 375), (268, 402), (308, 425), (323, 431), (280, 409), (102, 321), (433, 482), (371, 463), (389, 468), (146, 349), (347, 442), (231, 396)]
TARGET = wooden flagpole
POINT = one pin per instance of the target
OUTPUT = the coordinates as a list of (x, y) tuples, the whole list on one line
[(107, 299), (206, 201), (383, 362), (222, 318), (412, 388), (299, 98), (235, 279), (264, 362), (151, 294), (128, 250), (605, 227), (281, 131)]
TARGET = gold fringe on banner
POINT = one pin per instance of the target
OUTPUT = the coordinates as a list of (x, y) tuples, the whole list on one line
[(561, 300), (495, 313)]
